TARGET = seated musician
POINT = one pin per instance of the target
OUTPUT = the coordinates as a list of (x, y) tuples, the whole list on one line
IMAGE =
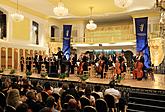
[(83, 66)]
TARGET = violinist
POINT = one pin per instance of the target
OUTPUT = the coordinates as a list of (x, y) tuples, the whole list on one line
[(123, 64)]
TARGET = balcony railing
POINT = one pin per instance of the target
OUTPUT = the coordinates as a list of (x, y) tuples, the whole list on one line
[(88, 40)]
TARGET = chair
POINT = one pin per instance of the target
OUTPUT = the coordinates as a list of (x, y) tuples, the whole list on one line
[(97, 96), (110, 102), (9, 108), (109, 72), (84, 101), (101, 105), (2, 100), (89, 109)]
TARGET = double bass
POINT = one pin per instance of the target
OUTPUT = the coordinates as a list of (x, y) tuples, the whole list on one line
[(137, 72), (80, 68)]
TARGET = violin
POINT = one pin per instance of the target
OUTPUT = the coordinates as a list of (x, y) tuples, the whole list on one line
[(137, 72)]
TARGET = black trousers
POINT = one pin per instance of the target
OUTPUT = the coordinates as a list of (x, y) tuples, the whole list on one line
[(28, 68), (22, 67)]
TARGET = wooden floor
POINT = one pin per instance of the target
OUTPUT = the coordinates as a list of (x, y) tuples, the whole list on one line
[(159, 82)]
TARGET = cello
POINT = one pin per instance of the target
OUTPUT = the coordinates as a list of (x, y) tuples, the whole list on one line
[(99, 68), (137, 72), (80, 68)]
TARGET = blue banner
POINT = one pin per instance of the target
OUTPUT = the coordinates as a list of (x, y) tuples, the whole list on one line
[(141, 25), (66, 40)]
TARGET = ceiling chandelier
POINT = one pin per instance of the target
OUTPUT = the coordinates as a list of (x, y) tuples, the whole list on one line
[(17, 17), (123, 3), (91, 25), (60, 10)]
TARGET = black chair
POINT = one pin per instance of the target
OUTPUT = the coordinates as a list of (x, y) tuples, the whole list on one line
[(44, 95), (2, 100), (89, 109), (97, 96), (10, 108), (110, 102), (101, 105), (84, 102)]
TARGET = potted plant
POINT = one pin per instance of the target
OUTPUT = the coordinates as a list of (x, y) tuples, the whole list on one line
[(28, 73), (12, 71), (1, 70), (62, 75)]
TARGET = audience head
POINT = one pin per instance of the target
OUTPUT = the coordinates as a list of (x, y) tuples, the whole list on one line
[(31, 95), (72, 103), (88, 91), (112, 84), (97, 88), (45, 109), (13, 97), (50, 102), (22, 108), (47, 86)]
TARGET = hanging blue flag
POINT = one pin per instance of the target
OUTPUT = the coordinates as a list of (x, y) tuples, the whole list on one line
[(141, 25), (67, 29)]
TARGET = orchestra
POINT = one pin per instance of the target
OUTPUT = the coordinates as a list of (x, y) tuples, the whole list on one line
[(116, 62)]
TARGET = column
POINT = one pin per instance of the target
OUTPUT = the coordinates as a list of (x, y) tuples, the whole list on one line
[(12, 58), (18, 65), (6, 57), (0, 58)]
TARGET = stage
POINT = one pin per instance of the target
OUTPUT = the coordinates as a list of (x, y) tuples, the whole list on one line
[(159, 82)]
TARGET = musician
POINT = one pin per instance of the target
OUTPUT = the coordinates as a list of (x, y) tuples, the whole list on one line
[(28, 63), (22, 63), (36, 61), (110, 61), (40, 63), (103, 64), (59, 56), (46, 62), (123, 63), (73, 60)]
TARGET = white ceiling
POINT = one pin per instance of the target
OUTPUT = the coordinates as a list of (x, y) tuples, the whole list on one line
[(46, 7)]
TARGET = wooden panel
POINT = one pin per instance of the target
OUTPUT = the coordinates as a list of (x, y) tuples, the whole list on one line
[(3, 57), (15, 58), (26, 52), (31, 53), (9, 58)]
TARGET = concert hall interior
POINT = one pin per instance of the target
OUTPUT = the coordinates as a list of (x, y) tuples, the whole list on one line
[(96, 44)]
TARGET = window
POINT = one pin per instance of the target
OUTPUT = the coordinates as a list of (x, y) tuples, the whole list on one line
[(2, 25)]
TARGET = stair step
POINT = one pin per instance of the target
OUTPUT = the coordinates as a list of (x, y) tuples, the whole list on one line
[(154, 102), (144, 107), (148, 96), (132, 110)]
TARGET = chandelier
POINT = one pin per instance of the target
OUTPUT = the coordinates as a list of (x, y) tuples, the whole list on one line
[(123, 3), (60, 10), (17, 17), (91, 25)]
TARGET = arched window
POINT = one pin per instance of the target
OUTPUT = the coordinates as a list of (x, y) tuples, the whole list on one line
[(55, 33), (2, 25)]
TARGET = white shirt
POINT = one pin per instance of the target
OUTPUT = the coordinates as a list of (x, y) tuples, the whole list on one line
[(114, 93)]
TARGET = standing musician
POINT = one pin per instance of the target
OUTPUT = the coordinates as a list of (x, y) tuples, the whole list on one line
[(46, 62), (59, 56), (40, 63), (28, 63), (123, 64), (36, 61), (73, 59), (22, 63)]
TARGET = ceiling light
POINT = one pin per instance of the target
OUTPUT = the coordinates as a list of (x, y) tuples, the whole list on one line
[(91, 25), (60, 10), (123, 3), (17, 17)]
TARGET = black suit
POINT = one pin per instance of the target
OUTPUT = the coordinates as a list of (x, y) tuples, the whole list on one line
[(28, 63)]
